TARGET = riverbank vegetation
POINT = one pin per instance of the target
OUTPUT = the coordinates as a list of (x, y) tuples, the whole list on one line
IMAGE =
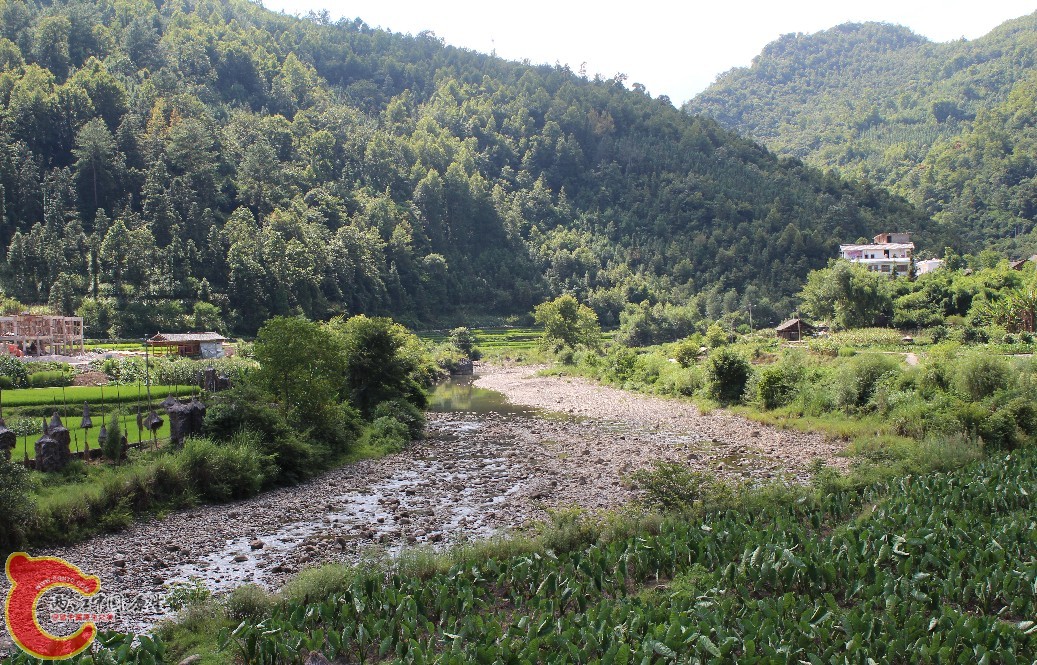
[(959, 368), (317, 395)]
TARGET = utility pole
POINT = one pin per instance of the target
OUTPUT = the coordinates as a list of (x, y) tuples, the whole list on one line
[(750, 318)]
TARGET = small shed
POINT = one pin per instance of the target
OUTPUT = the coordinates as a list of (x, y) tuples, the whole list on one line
[(794, 330), (1021, 263), (195, 345)]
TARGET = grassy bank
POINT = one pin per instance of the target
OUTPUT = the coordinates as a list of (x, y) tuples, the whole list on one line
[(87, 499), (875, 400)]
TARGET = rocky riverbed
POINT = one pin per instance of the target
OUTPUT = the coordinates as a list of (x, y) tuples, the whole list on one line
[(480, 472), (726, 438)]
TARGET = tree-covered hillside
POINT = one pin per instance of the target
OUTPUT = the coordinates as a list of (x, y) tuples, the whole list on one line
[(946, 125), (189, 163)]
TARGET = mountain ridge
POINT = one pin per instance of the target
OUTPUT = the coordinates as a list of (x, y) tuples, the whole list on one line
[(875, 101), (213, 162)]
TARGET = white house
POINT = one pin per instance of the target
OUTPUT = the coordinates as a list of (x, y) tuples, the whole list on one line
[(889, 253), (929, 265)]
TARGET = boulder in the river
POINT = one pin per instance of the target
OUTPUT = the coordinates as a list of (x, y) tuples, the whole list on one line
[(463, 367)]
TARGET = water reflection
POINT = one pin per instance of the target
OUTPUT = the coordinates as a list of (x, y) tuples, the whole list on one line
[(459, 393)]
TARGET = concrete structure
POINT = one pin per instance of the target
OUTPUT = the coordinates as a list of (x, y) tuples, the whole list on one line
[(197, 345), (889, 253), (794, 330), (41, 334), (929, 265)]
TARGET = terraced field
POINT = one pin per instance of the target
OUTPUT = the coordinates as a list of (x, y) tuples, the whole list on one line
[(499, 339), (69, 401)]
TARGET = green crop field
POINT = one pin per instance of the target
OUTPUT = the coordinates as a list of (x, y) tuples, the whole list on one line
[(491, 339), (937, 568), (80, 437), (930, 569), (71, 403), (74, 396)]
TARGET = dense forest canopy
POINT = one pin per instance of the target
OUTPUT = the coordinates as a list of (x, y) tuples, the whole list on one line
[(212, 163), (949, 126)]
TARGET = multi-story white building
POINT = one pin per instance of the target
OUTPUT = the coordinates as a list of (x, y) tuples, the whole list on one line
[(890, 253)]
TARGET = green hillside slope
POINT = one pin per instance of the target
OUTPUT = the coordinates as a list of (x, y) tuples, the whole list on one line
[(879, 102), (200, 163)]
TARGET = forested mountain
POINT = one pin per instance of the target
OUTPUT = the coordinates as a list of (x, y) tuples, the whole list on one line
[(175, 163), (950, 126)]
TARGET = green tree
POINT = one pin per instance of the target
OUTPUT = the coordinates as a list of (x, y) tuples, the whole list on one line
[(567, 323), (206, 316), (378, 364), (848, 294), (302, 363), (98, 164), (727, 375)]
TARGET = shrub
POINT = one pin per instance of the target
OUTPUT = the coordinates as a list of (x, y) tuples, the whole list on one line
[(246, 408), (221, 472), (318, 583), (778, 384), (684, 381), (14, 371), (387, 434), (448, 358), (464, 341), (855, 381), (727, 374), (50, 379), (183, 594), (248, 602), (973, 335), (675, 487), (686, 351), (999, 431), (717, 336), (112, 447), (17, 502), (406, 413), (1024, 412), (619, 364), (980, 375), (937, 375), (945, 453), (338, 428)]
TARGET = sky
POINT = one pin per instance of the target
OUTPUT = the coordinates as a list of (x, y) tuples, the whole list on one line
[(673, 48)]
